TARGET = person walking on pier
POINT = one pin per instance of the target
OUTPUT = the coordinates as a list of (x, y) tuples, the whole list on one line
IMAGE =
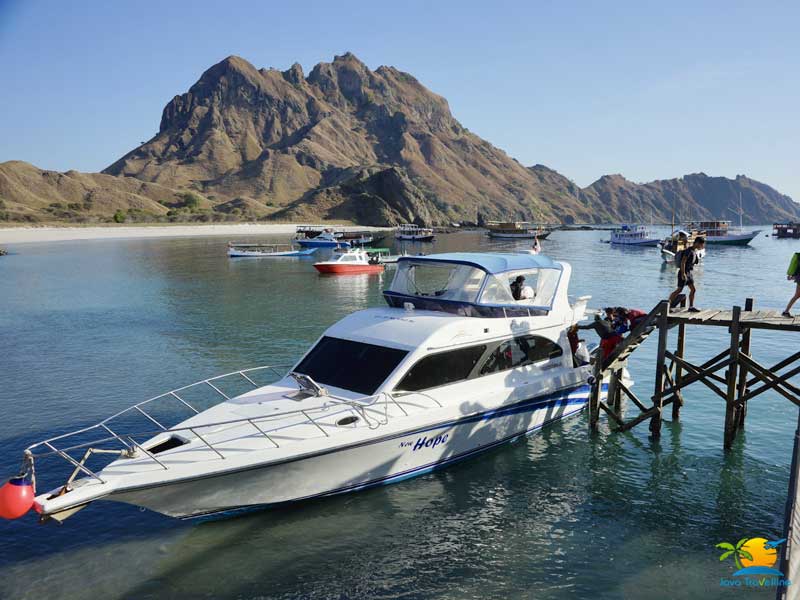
[(793, 274), (688, 260)]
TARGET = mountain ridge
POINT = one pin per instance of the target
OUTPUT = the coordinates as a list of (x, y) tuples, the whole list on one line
[(349, 143)]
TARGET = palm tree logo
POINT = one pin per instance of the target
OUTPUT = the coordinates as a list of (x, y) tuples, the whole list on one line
[(737, 551)]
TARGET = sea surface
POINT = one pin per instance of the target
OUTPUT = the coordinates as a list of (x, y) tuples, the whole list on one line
[(88, 328)]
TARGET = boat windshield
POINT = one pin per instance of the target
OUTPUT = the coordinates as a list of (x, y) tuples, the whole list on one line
[(353, 366), (446, 281), (538, 289)]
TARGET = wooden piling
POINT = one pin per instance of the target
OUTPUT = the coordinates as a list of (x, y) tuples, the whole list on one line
[(616, 395), (677, 404), (744, 378), (731, 412), (658, 392), (594, 392), (742, 387)]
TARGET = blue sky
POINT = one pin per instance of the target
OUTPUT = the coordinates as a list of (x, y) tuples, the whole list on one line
[(651, 90)]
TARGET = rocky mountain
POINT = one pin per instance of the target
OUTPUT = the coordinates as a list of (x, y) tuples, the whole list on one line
[(695, 196), (347, 143), (292, 141)]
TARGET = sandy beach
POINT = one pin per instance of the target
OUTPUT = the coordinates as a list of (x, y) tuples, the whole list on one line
[(23, 235)]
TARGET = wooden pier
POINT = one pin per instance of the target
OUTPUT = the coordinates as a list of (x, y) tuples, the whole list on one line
[(733, 374)]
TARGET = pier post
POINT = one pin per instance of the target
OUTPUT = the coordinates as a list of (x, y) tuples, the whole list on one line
[(731, 414), (658, 395), (595, 391), (677, 403), (615, 394), (742, 387)]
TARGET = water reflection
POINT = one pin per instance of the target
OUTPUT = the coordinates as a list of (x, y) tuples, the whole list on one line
[(94, 326)]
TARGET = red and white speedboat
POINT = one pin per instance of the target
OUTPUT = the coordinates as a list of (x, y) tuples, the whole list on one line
[(352, 261)]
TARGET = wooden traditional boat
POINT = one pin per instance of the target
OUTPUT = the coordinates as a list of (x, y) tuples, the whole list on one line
[(239, 250), (413, 233), (516, 229), (786, 230)]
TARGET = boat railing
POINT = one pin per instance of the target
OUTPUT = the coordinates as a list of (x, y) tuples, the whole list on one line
[(374, 410)]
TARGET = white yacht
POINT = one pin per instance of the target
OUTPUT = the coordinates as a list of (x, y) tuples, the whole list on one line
[(633, 235), (453, 366)]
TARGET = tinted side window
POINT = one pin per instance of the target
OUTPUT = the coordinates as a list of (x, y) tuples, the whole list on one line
[(519, 352), (349, 365), (441, 369)]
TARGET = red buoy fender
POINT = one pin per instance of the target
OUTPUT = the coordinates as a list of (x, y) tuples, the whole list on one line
[(16, 497)]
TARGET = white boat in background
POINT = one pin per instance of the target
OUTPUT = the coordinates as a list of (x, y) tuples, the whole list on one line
[(244, 250), (633, 235), (413, 233), (452, 367), (678, 241), (721, 233)]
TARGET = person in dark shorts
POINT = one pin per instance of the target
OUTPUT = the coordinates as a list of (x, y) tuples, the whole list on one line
[(688, 260), (793, 274)]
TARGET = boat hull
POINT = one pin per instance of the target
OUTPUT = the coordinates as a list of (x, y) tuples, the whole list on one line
[(639, 243), (732, 239), (525, 235), (414, 238), (313, 243), (253, 254), (382, 461), (345, 269)]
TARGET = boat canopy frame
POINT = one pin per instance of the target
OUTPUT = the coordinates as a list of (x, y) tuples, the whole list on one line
[(494, 267)]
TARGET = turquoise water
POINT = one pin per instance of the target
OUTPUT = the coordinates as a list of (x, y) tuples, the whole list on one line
[(88, 328)]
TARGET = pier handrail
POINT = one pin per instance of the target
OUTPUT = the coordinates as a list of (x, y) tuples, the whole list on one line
[(130, 447)]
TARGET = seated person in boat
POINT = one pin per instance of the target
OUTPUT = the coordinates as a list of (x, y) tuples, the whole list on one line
[(520, 291)]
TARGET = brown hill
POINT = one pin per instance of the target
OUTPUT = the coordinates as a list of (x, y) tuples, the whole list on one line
[(345, 143), (31, 194), (695, 196)]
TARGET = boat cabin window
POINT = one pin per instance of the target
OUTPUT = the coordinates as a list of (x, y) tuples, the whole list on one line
[(349, 365), (441, 369), (521, 351), (539, 288), (447, 281)]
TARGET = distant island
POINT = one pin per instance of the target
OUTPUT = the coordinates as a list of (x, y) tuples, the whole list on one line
[(350, 144)]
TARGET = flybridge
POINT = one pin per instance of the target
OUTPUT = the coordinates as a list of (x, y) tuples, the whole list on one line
[(479, 285)]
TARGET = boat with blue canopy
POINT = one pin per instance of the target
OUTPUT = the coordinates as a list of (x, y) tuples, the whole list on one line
[(477, 285), (473, 351)]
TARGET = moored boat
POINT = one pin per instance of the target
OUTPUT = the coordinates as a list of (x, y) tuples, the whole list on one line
[(786, 230), (326, 239), (721, 233), (679, 240), (633, 235), (413, 233), (352, 261), (516, 229), (452, 367), (245, 250)]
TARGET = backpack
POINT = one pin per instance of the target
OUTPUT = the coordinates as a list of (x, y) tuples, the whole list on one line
[(794, 265)]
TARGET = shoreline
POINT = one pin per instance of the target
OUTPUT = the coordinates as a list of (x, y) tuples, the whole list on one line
[(28, 235)]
